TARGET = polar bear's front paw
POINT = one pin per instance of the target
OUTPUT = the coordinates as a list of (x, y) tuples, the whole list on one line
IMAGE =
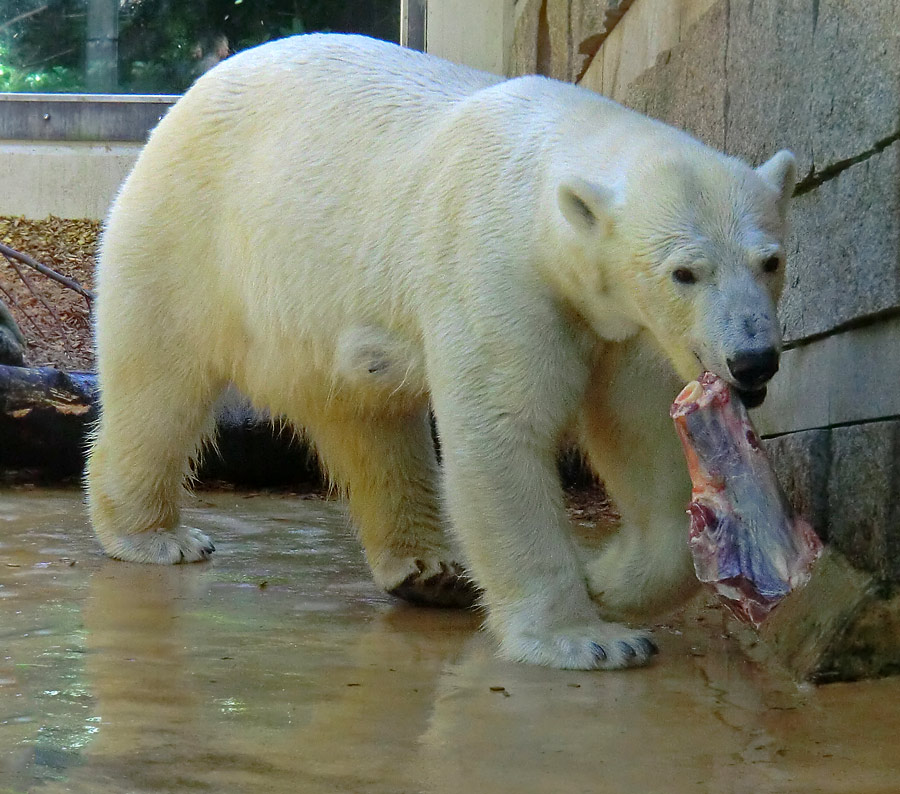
[(592, 646), (432, 582), (164, 547)]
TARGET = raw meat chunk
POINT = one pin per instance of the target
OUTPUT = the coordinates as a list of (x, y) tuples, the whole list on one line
[(744, 537)]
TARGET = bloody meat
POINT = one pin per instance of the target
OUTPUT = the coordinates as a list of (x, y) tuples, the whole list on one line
[(745, 538)]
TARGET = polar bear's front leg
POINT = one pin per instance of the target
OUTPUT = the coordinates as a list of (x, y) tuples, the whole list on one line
[(625, 428), (506, 505)]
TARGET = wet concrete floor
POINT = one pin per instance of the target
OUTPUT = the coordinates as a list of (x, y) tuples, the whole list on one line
[(278, 667)]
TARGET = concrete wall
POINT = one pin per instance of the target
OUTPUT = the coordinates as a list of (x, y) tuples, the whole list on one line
[(69, 180), (66, 155)]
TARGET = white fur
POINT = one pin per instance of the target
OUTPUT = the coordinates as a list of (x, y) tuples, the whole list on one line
[(346, 229)]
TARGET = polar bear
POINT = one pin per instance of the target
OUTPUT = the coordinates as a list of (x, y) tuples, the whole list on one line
[(351, 232)]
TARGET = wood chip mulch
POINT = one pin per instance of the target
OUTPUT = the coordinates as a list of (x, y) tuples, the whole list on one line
[(68, 246)]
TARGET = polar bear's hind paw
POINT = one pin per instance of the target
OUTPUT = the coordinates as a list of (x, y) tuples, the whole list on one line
[(443, 585), (163, 547)]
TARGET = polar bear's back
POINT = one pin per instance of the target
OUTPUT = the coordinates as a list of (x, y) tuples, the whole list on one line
[(274, 202), (291, 162), (369, 70), (343, 93)]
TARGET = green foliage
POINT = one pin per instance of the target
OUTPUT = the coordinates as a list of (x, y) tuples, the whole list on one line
[(54, 79), (164, 45), (41, 45)]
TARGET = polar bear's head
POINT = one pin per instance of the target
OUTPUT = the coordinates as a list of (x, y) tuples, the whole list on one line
[(689, 246)]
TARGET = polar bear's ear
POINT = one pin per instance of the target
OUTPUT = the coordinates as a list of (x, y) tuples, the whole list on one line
[(588, 207), (781, 172)]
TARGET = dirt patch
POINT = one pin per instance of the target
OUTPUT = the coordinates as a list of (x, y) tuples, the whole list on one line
[(591, 512), (69, 247)]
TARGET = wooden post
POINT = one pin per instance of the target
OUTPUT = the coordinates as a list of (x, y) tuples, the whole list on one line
[(476, 33)]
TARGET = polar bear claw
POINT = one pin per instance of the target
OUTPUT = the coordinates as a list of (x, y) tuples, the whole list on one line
[(427, 580), (594, 646)]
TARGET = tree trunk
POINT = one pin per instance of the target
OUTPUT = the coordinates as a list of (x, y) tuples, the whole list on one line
[(102, 56)]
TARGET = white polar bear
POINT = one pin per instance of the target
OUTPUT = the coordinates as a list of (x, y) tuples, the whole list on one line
[(350, 231)]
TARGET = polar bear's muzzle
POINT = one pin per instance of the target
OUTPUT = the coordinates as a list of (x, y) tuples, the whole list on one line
[(751, 370)]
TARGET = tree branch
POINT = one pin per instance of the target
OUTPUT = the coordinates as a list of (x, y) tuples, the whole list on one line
[(25, 15), (11, 298), (44, 303), (12, 253)]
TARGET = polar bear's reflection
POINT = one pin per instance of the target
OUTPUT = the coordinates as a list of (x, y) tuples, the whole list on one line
[(246, 698)]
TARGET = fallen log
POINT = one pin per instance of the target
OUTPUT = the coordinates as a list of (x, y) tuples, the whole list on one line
[(44, 416), (46, 413)]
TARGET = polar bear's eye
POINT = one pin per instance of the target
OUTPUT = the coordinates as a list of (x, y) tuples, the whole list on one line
[(685, 276), (771, 265)]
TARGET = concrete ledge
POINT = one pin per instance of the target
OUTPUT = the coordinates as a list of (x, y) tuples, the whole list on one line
[(67, 154), (80, 117)]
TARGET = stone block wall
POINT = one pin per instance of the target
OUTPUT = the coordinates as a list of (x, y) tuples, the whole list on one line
[(822, 78)]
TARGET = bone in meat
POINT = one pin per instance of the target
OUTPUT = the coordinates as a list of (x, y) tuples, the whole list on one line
[(744, 537)]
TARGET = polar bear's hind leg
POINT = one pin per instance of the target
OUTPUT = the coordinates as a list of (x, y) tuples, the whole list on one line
[(154, 417), (387, 465)]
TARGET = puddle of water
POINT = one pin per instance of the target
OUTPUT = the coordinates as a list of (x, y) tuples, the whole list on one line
[(117, 677)]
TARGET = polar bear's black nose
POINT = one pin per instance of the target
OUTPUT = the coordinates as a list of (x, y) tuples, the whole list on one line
[(752, 368)]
